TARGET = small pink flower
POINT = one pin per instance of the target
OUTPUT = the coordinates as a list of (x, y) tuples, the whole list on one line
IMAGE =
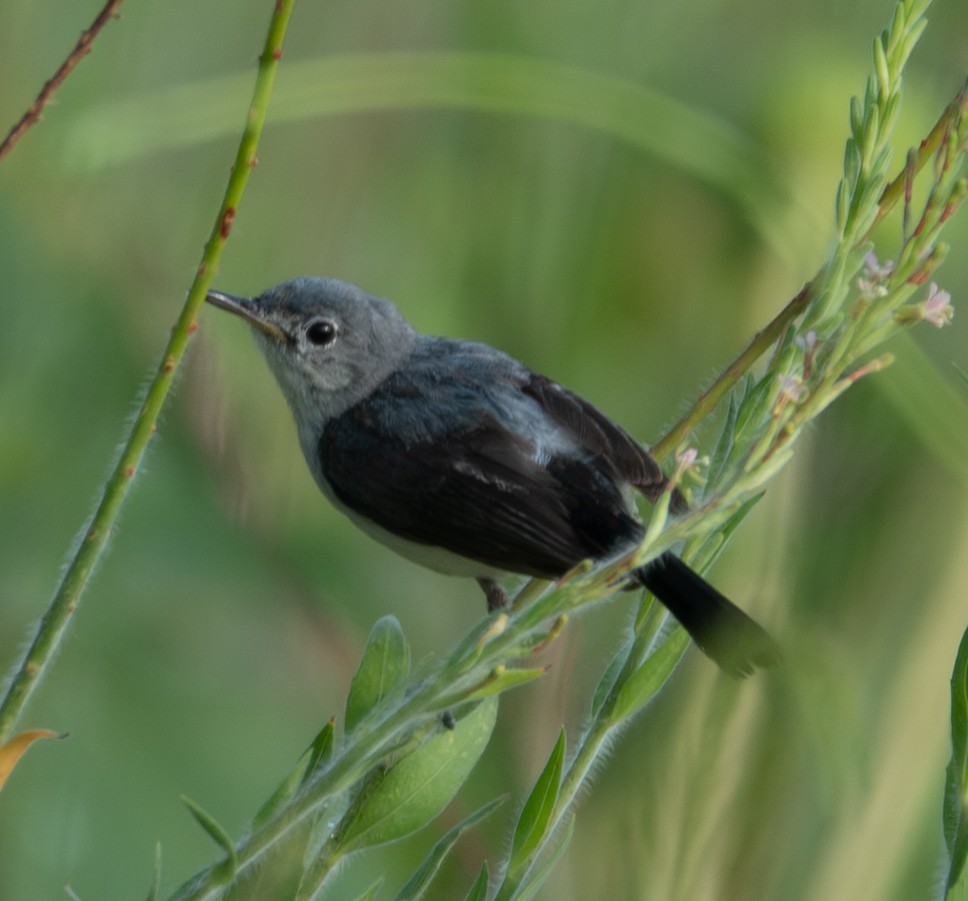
[(937, 308), (875, 269), (807, 342), (687, 457), (687, 461), (791, 389), (875, 274)]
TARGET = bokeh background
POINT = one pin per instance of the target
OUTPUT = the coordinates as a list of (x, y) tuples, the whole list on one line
[(224, 627)]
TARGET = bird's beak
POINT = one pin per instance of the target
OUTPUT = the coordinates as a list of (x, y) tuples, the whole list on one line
[(248, 309)]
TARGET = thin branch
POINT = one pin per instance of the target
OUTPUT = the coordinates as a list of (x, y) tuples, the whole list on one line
[(707, 401), (95, 537), (81, 49)]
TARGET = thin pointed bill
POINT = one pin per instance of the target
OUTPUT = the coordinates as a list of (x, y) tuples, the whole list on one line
[(247, 309)]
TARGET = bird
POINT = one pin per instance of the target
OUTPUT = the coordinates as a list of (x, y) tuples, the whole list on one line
[(462, 459)]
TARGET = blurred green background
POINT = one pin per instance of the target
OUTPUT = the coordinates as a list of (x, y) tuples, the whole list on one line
[(630, 255)]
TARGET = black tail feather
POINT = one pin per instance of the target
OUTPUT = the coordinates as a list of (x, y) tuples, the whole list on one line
[(721, 630)]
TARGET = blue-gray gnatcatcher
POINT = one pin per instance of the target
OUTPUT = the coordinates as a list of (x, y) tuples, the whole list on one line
[(463, 459)]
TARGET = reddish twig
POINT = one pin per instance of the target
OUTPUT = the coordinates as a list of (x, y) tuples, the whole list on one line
[(81, 49)]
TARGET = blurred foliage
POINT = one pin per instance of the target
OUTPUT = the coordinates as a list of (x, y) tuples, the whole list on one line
[(224, 628)]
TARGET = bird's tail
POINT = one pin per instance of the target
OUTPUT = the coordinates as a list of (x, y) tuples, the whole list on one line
[(723, 632)]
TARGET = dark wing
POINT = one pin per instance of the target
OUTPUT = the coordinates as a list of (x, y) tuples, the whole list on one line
[(474, 465), (594, 431)]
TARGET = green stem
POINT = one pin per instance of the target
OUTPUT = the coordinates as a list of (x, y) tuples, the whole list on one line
[(95, 537), (710, 398)]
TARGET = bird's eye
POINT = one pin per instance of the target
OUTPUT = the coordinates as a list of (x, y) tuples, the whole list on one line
[(321, 333)]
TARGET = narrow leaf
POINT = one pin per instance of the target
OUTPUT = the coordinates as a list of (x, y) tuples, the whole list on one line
[(330, 812), (322, 855), (607, 682), (741, 512), (383, 670), (644, 684), (226, 870), (956, 779), (471, 645), (13, 750), (538, 809), (478, 891), (321, 748), (371, 892), (727, 440), (958, 891), (529, 888), (417, 788), (318, 752), (856, 116), (753, 408), (501, 679), (156, 881), (417, 885)]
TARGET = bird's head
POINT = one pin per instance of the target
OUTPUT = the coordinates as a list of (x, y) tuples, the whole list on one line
[(328, 343)]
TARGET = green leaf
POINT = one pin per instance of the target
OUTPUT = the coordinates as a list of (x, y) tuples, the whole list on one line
[(327, 816), (321, 748), (753, 408), (959, 891), (956, 778), (418, 883), (383, 670), (727, 440), (478, 891), (644, 684), (607, 682), (841, 205), (156, 881), (732, 523), (530, 887), (538, 810), (470, 646), (318, 752), (225, 870), (856, 116), (371, 892), (501, 679), (416, 789)]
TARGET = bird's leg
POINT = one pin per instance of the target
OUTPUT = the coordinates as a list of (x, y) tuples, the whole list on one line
[(497, 597)]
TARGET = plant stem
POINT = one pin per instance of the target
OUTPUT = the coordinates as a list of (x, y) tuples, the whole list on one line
[(95, 535), (81, 49), (710, 398)]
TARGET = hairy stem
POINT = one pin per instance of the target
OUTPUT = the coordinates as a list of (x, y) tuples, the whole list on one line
[(95, 535)]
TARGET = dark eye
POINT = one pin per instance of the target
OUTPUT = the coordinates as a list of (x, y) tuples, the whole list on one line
[(321, 332)]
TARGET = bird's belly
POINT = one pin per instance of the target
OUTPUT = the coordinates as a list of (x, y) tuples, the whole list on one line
[(436, 558)]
